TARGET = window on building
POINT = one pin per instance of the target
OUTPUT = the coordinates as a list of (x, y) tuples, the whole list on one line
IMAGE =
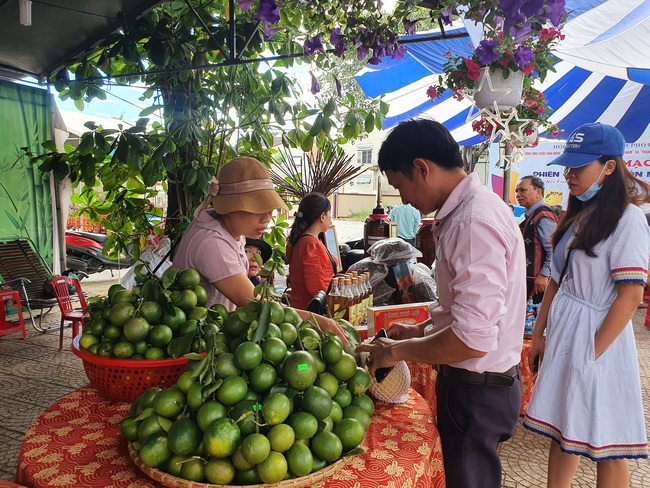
[(364, 180), (364, 155)]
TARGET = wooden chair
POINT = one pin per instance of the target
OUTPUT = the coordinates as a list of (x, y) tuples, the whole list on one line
[(78, 316)]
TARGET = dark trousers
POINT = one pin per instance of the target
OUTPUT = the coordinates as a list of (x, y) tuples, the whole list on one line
[(473, 420)]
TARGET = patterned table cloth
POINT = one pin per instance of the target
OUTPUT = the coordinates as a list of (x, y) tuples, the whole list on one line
[(76, 442)]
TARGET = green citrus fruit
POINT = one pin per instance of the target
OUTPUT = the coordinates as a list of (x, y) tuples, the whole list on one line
[(357, 413), (245, 414), (189, 327), (291, 316), (96, 327), (303, 424), (196, 397), (123, 350), (337, 412), (141, 347), (184, 436), (262, 378), (317, 402), (300, 370), (148, 427), (325, 425), (136, 329), (174, 321), (331, 351), (160, 335), (248, 477), (151, 311), (169, 403), (320, 364), (129, 429), (185, 382), (120, 313), (198, 313), (273, 468), (219, 471), (234, 327), (318, 464), (154, 353), (300, 460), (327, 446), (149, 395), (255, 448), (281, 437), (239, 462), (192, 470), (220, 439), (359, 383), (87, 340), (232, 390), (365, 402), (274, 331), (309, 338), (187, 301), (154, 451), (225, 365), (175, 464), (327, 382), (274, 350), (288, 332), (248, 355), (351, 432), (276, 408), (209, 412), (123, 296), (105, 349), (201, 295), (188, 278), (277, 313), (113, 289), (343, 396), (345, 368)]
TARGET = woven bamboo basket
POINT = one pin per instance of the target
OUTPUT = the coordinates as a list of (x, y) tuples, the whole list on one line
[(170, 481)]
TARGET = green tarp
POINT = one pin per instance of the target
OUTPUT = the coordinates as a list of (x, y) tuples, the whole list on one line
[(25, 197)]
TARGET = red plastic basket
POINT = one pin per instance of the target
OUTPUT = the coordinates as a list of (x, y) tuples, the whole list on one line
[(124, 380)]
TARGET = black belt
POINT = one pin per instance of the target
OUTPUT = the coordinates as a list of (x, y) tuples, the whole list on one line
[(505, 379)]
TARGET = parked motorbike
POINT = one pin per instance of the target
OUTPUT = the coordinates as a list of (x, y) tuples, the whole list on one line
[(351, 252), (83, 252)]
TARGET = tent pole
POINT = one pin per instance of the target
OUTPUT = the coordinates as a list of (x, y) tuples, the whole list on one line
[(506, 173)]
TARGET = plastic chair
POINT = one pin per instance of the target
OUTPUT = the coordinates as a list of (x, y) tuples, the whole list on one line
[(78, 316)]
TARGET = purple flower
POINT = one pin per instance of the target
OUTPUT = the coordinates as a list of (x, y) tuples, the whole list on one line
[(245, 5), (311, 46), (336, 36), (523, 55), (555, 9), (268, 32), (399, 51), (409, 26), (520, 30), (339, 90), (374, 59), (315, 87), (268, 11), (362, 52), (532, 8), (486, 51), (446, 14)]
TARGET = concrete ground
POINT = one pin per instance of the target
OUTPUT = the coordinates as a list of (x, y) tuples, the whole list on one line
[(34, 374)]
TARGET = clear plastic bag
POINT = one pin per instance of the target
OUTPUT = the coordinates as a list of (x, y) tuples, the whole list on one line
[(382, 292), (152, 257), (424, 284), (377, 271), (393, 251)]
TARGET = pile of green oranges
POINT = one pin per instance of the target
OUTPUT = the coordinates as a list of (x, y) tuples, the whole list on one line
[(127, 325), (255, 412)]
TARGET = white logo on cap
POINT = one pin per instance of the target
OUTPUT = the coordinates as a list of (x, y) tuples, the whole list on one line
[(577, 137)]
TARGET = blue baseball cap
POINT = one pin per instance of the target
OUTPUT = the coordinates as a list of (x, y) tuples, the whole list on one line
[(589, 142)]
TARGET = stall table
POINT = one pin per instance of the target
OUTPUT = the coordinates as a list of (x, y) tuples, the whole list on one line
[(76, 442)]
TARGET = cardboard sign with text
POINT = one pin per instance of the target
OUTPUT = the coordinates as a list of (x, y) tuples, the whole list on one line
[(384, 317)]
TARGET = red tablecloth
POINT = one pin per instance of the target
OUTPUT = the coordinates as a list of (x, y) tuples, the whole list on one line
[(527, 380), (76, 443)]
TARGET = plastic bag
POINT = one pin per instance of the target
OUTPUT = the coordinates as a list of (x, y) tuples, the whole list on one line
[(424, 284), (393, 251), (153, 259), (382, 292), (377, 271), (395, 387)]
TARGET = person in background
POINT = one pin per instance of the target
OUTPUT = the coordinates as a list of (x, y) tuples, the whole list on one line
[(243, 199), (475, 331), (540, 221), (256, 246), (559, 211), (311, 266), (408, 221), (588, 394)]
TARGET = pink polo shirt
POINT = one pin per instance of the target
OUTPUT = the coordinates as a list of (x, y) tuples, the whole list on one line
[(209, 248), (481, 276)]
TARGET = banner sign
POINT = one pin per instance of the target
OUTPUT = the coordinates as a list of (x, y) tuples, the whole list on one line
[(534, 162)]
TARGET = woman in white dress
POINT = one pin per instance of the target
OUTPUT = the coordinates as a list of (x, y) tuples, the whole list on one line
[(588, 394)]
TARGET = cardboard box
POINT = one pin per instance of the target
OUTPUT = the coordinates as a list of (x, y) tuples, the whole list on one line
[(383, 317)]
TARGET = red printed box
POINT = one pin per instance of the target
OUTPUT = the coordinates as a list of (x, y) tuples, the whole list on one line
[(383, 317)]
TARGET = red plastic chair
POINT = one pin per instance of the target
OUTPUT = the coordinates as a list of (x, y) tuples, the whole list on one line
[(60, 286)]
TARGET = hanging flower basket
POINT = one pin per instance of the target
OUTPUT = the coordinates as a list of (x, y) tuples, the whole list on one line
[(497, 92), (523, 138)]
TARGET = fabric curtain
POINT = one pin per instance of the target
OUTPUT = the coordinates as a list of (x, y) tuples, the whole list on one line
[(25, 196)]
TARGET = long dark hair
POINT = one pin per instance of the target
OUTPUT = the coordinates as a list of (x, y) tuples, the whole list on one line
[(310, 209), (597, 218)]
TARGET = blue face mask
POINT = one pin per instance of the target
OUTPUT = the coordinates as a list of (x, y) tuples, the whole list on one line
[(592, 190)]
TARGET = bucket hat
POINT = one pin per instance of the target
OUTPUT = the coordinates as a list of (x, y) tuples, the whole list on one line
[(589, 142), (243, 184), (263, 246)]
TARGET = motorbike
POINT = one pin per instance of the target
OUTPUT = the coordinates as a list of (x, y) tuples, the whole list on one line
[(351, 252), (84, 255)]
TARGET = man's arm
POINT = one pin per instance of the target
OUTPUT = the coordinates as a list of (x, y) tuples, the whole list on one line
[(545, 228)]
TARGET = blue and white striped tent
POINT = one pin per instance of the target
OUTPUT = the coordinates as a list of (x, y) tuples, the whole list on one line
[(575, 94)]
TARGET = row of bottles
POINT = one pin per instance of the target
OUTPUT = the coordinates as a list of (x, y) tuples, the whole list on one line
[(352, 292)]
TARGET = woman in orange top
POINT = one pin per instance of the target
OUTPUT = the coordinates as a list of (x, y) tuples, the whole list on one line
[(311, 266)]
